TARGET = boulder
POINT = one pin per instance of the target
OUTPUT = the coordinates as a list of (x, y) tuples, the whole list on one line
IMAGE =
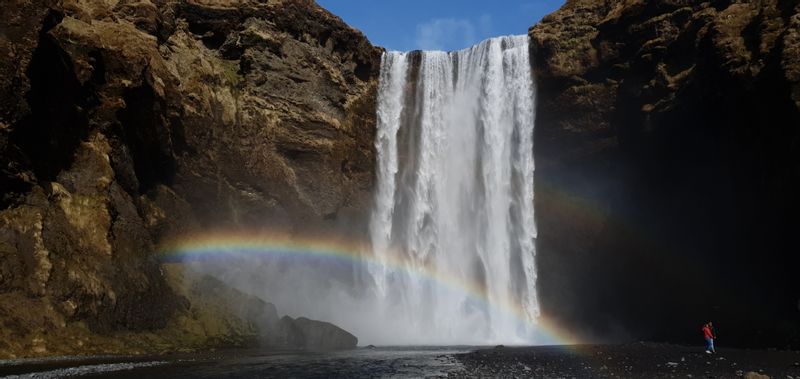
[(306, 334)]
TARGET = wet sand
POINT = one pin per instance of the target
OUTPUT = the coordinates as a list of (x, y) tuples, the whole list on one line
[(635, 360)]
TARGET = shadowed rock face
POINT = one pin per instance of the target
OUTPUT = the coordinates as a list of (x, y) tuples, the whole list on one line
[(668, 168), (302, 333), (126, 122), (234, 318)]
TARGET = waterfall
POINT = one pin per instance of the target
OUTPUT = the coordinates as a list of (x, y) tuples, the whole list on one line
[(454, 193)]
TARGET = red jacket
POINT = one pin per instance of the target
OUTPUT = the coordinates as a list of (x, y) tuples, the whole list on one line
[(707, 332)]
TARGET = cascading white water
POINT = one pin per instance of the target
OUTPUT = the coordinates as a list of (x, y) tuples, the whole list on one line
[(455, 193)]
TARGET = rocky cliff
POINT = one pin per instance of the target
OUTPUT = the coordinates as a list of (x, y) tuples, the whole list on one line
[(668, 168), (125, 122)]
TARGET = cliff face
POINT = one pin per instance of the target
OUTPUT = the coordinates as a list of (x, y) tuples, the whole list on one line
[(126, 122), (668, 168)]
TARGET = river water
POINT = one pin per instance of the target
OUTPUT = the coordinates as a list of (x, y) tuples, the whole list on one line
[(391, 362)]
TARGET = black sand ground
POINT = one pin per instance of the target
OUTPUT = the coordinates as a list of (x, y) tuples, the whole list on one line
[(636, 360)]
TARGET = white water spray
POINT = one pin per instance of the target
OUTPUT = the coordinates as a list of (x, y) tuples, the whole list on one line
[(455, 192)]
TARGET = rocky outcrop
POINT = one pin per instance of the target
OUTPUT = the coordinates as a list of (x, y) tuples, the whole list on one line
[(668, 167), (220, 316), (302, 333), (126, 122)]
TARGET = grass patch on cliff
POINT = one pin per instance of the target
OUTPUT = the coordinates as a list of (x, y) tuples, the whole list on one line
[(230, 74)]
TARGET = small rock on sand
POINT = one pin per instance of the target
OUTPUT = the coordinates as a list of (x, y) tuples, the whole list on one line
[(754, 375)]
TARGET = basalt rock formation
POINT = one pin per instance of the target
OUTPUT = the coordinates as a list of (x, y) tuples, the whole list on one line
[(126, 122), (668, 167)]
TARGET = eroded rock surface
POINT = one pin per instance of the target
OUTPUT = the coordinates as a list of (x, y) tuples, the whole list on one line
[(668, 168), (126, 122)]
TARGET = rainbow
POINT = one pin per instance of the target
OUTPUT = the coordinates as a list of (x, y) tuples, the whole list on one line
[(228, 244)]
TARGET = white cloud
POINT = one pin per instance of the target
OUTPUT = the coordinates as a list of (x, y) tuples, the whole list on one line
[(451, 33)]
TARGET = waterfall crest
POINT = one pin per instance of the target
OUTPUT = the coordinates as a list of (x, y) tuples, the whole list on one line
[(455, 192)]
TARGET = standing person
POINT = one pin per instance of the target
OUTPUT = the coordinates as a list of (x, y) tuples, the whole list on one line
[(708, 334)]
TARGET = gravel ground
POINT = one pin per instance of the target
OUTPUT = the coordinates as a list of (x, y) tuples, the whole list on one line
[(635, 360)]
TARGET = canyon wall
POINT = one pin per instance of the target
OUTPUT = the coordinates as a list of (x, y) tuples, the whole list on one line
[(126, 122), (667, 152)]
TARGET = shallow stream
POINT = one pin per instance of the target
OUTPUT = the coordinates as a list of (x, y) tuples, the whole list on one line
[(398, 362)]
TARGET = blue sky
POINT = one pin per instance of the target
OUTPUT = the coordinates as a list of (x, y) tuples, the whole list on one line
[(438, 24)]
